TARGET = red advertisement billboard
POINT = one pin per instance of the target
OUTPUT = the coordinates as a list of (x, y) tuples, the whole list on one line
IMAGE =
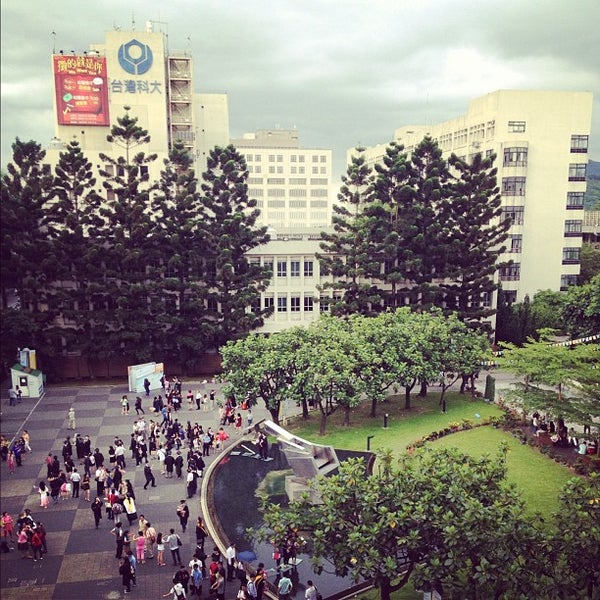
[(81, 86)]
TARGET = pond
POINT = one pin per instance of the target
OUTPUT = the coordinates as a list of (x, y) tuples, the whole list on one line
[(235, 482)]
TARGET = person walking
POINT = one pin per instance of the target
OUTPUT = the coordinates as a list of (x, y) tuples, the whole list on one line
[(75, 481), (130, 509), (85, 487), (71, 419), (97, 510), (149, 475), (230, 558), (150, 535), (138, 405), (126, 573), (174, 541), (160, 550), (118, 532), (201, 533), (284, 587), (183, 512)]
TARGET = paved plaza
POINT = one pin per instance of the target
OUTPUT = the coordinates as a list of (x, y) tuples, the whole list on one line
[(81, 562)]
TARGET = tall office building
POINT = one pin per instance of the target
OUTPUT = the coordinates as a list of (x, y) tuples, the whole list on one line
[(134, 69), (540, 139), (291, 184)]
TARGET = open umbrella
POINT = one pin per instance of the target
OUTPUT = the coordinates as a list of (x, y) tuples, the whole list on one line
[(246, 555)]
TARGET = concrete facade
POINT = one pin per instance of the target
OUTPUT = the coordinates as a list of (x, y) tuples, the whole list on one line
[(540, 139)]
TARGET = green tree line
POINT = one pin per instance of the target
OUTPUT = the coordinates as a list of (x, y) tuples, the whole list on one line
[(125, 266)]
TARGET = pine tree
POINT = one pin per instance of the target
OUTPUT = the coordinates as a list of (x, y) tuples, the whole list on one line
[(421, 230), (123, 322), (180, 242), (28, 266), (71, 219), (392, 190), (475, 234), (349, 254), (233, 284)]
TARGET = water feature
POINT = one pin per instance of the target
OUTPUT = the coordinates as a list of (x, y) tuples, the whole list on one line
[(235, 481)]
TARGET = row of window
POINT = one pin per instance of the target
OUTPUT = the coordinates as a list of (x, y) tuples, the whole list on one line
[(293, 170), (291, 181), (315, 158)]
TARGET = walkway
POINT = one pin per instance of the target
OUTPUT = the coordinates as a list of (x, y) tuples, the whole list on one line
[(81, 560)]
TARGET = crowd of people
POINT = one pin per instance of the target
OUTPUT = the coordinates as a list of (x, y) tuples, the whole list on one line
[(159, 438)]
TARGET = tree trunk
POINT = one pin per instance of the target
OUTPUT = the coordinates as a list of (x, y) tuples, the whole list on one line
[(407, 397), (275, 414), (346, 416), (423, 390), (373, 408), (323, 424), (385, 589)]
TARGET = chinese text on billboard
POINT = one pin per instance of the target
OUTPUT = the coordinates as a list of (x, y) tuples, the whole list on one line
[(81, 90)]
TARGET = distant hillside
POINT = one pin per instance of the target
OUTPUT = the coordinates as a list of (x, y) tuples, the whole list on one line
[(592, 195)]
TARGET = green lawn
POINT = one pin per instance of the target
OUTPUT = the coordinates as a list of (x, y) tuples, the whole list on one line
[(537, 477)]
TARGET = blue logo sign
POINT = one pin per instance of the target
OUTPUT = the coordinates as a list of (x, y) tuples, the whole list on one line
[(135, 57)]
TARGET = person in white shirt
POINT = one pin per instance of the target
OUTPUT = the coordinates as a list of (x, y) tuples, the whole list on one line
[(75, 479), (230, 557)]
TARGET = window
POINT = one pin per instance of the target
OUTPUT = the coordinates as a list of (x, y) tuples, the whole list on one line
[(301, 158), (212, 306), (516, 242), (301, 170), (308, 304), (571, 256), (315, 170), (318, 193), (258, 169), (255, 180), (297, 203), (577, 171), (293, 171), (324, 304), (281, 268), (279, 170), (255, 306), (294, 268), (515, 157), (573, 227), (315, 158), (271, 158), (510, 272), (276, 203), (281, 304), (297, 181), (268, 264), (513, 186), (318, 181), (575, 200), (276, 193), (271, 170), (258, 157), (567, 281), (295, 304), (275, 180), (293, 158), (280, 158), (308, 268), (516, 126), (298, 193), (579, 143), (269, 302)]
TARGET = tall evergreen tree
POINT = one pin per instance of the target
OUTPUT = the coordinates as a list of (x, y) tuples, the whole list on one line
[(393, 192), (28, 265), (124, 324), (71, 218), (179, 248), (475, 234), (233, 283), (421, 230), (348, 254)]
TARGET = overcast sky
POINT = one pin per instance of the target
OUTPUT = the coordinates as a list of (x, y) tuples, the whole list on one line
[(343, 72)]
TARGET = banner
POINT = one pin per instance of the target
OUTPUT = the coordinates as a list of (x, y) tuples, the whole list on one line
[(151, 371), (81, 87)]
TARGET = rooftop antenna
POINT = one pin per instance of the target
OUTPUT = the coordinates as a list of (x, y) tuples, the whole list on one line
[(54, 42)]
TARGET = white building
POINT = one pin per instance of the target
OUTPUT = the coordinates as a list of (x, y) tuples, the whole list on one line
[(541, 141), (293, 292), (291, 184), (135, 69)]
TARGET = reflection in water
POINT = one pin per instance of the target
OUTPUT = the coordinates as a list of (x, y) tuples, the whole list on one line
[(235, 482)]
